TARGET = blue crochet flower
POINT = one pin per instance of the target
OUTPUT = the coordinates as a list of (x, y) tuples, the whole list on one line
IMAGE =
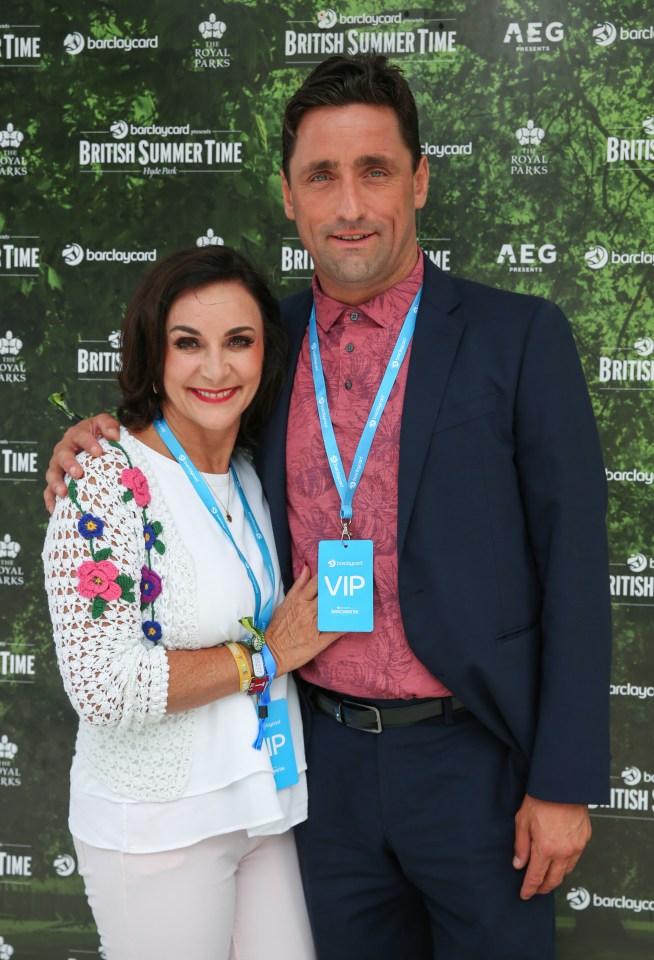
[(151, 630), (90, 527)]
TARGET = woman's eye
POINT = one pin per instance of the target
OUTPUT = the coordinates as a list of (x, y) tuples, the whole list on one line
[(186, 343)]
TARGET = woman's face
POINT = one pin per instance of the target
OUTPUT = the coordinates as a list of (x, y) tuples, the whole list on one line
[(213, 359)]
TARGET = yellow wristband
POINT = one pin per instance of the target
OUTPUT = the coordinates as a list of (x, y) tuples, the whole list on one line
[(244, 671)]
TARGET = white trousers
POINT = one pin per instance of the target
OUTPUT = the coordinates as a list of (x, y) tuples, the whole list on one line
[(226, 898)]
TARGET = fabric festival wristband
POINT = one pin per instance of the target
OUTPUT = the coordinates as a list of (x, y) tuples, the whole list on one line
[(264, 699), (242, 665)]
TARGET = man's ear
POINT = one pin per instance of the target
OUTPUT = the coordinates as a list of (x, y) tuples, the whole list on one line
[(286, 197), (421, 183)]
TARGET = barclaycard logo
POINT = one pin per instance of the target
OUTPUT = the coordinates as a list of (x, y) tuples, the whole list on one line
[(326, 19), (604, 34), (74, 43), (597, 257), (578, 898)]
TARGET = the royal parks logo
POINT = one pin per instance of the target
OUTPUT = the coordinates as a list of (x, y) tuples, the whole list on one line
[(635, 579), (20, 46), (526, 257), (11, 572), (395, 34), (211, 51), (599, 256), (76, 43), (99, 359), (18, 462), (531, 160), (19, 256), (629, 152), (13, 162), (534, 36), (74, 254), (156, 149), (209, 239), (9, 770), (606, 33), (12, 365)]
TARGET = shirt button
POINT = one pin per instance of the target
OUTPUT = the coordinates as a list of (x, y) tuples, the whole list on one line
[(354, 315), (349, 347), (348, 384)]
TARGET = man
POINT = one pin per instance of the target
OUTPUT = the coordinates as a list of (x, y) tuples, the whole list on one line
[(453, 749)]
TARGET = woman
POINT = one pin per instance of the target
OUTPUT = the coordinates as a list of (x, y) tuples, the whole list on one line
[(162, 576)]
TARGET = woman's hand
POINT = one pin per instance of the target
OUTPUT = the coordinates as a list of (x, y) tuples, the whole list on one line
[(293, 635), (83, 436)]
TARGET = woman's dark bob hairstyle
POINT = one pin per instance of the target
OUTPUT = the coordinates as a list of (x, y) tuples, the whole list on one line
[(144, 334)]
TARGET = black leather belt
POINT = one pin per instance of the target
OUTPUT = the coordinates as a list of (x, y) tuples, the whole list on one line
[(371, 719)]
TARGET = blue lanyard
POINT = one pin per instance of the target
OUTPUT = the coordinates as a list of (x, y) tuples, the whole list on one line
[(261, 617), (347, 488)]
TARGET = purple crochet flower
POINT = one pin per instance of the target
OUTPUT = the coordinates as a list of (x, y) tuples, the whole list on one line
[(150, 585), (90, 527), (152, 630)]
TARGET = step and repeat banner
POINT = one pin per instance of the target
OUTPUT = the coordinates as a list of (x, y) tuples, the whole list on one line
[(128, 130)]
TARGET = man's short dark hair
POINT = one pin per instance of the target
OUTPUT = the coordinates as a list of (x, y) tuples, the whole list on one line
[(341, 81), (144, 334)]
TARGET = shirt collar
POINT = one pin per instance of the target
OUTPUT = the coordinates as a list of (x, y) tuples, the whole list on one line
[(384, 309)]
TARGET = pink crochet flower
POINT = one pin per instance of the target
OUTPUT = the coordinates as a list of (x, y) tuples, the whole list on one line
[(98, 579), (134, 480)]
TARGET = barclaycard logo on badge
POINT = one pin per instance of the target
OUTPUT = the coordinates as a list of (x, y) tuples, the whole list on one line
[(531, 162), (605, 34), (11, 574), (628, 151), (578, 898), (75, 43), (526, 257), (74, 254), (534, 37), (94, 361), (598, 257), (19, 48), (172, 156), (639, 582), (381, 36)]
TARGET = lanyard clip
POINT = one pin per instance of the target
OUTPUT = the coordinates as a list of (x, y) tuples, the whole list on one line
[(345, 529)]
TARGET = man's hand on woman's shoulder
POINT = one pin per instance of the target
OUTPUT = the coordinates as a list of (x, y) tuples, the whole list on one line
[(82, 436)]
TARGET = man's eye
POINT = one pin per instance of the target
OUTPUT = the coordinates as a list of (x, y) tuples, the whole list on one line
[(319, 177), (376, 173)]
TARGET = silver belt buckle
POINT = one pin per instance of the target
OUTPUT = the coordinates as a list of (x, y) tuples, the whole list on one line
[(361, 707)]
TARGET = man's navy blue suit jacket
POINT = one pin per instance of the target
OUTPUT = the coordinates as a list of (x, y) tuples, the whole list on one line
[(503, 567)]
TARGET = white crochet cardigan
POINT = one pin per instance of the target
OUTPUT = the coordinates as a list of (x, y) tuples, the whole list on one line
[(115, 678)]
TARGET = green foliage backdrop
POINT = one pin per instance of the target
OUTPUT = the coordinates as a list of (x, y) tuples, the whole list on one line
[(539, 215)]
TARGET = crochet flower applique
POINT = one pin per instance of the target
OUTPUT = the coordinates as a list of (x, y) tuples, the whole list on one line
[(99, 579)]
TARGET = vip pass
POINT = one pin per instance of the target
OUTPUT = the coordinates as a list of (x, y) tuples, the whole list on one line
[(345, 595)]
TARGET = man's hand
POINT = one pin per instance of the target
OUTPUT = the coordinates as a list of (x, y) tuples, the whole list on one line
[(82, 436), (550, 837)]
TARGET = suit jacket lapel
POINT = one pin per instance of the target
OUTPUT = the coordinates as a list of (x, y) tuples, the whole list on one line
[(434, 347)]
